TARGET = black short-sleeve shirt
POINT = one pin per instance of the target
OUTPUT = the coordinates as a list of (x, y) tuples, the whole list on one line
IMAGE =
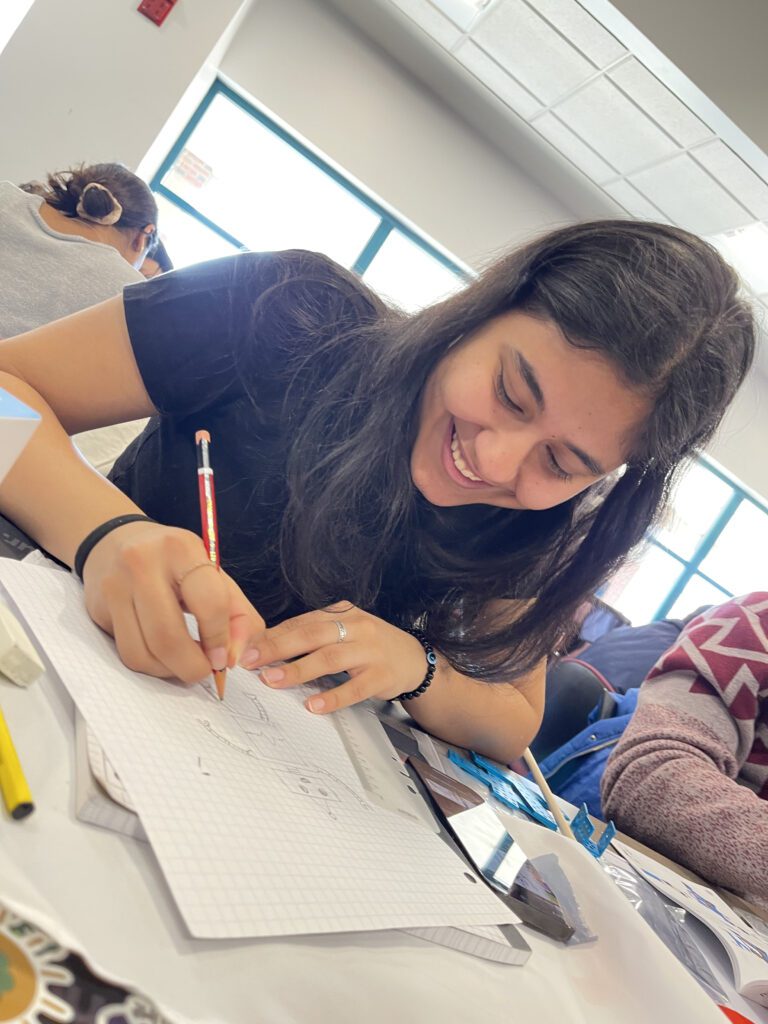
[(208, 361)]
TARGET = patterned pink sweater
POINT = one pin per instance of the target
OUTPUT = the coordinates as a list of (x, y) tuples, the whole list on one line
[(689, 777)]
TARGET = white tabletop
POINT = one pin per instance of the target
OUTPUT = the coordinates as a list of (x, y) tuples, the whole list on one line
[(107, 894)]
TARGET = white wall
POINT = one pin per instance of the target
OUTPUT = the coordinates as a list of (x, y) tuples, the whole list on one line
[(303, 62), (92, 80), (741, 443)]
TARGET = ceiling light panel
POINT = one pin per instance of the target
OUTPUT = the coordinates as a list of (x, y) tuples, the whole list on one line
[(740, 180), (561, 69), (495, 78), (540, 59), (582, 30), (611, 123), (634, 203), (660, 103), (462, 12), (571, 146), (685, 193)]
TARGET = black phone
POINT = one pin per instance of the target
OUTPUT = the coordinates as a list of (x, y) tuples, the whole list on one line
[(471, 824)]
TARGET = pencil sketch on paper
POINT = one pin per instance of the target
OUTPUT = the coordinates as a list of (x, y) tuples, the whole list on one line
[(319, 784), (248, 727)]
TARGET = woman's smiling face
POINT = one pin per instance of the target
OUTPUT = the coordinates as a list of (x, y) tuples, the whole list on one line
[(515, 416)]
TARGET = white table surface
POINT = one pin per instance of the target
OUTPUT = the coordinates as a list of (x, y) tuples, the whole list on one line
[(108, 894)]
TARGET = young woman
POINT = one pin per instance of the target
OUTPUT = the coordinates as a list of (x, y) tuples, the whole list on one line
[(472, 471)]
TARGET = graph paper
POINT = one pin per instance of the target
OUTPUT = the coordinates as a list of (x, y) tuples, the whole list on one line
[(253, 809)]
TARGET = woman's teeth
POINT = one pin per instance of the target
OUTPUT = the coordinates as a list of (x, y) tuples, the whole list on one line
[(459, 463)]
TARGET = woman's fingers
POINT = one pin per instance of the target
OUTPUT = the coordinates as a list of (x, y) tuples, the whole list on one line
[(129, 639), (207, 596), (302, 634), (359, 688), (137, 587), (323, 662), (164, 628), (246, 626)]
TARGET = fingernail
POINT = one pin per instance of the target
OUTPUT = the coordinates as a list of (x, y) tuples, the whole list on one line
[(218, 658), (250, 658), (272, 675), (315, 704)]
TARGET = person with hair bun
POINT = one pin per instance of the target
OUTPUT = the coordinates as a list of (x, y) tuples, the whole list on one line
[(75, 240), (67, 244), (421, 502)]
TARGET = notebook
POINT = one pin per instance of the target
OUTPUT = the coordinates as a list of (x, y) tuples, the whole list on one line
[(257, 817)]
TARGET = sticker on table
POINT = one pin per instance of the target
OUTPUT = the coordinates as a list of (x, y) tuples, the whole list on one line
[(43, 983), (29, 966)]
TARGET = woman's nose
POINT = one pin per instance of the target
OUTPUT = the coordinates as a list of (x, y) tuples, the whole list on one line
[(500, 454)]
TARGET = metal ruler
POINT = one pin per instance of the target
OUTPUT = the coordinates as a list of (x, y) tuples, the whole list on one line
[(382, 774)]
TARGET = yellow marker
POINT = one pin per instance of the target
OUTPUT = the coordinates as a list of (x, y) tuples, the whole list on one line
[(14, 786)]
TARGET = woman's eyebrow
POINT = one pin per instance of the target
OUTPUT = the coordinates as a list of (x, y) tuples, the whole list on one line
[(528, 375), (592, 464)]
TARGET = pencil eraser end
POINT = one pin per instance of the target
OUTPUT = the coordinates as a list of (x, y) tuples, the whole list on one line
[(202, 435), (19, 660)]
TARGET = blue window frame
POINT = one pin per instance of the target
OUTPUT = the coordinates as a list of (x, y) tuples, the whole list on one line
[(716, 547), (214, 199)]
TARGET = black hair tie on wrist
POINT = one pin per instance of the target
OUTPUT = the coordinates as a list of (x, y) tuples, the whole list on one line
[(431, 666), (93, 538)]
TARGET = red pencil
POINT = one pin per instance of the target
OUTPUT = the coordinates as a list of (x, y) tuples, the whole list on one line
[(208, 519)]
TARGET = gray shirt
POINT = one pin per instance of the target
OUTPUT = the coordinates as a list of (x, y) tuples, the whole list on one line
[(44, 275)]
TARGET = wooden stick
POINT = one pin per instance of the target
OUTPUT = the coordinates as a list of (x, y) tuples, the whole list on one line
[(547, 793)]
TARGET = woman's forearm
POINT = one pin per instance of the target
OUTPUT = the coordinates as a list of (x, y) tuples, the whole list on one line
[(498, 720), (50, 492)]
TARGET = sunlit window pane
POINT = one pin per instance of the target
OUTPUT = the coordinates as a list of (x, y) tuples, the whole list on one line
[(12, 13), (697, 592), (404, 274), (263, 191), (739, 558), (639, 588), (697, 501), (186, 239)]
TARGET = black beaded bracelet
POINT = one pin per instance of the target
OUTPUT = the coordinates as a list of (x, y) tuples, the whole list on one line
[(431, 666), (93, 538)]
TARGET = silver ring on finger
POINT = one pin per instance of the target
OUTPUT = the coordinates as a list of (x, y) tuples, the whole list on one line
[(194, 568), (342, 631)]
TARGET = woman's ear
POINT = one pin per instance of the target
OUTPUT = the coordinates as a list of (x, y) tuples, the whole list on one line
[(141, 237)]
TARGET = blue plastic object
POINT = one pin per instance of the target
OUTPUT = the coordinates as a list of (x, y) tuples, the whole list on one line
[(519, 794)]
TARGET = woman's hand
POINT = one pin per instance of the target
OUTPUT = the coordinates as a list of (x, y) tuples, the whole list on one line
[(141, 578), (382, 660)]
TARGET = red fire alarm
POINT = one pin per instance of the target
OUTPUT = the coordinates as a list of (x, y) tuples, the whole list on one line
[(156, 10)]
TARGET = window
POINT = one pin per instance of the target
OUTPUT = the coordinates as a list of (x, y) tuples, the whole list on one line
[(237, 180), (12, 13), (713, 545)]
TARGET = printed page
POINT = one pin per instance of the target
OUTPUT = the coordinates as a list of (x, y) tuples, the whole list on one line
[(746, 949), (255, 813)]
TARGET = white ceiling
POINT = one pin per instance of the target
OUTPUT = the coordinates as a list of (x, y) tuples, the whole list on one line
[(578, 82)]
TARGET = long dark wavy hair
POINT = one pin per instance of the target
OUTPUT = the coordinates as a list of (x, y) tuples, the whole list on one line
[(658, 303)]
